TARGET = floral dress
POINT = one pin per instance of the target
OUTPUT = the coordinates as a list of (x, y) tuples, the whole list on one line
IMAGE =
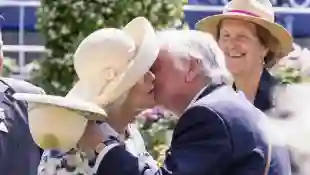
[(75, 162)]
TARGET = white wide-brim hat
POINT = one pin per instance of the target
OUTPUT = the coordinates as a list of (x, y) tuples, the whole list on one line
[(258, 12), (57, 123), (108, 62)]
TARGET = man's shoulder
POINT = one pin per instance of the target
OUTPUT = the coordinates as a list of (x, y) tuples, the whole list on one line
[(220, 103), (22, 86), (234, 110), (227, 102), (14, 114), (197, 118)]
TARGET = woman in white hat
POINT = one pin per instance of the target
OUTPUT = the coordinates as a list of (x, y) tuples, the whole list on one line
[(113, 69), (252, 42)]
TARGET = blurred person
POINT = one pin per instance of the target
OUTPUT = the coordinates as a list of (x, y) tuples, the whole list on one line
[(217, 131), (117, 77), (252, 42), (290, 122), (18, 152)]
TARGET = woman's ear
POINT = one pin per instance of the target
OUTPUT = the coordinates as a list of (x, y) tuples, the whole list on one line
[(264, 52), (194, 69)]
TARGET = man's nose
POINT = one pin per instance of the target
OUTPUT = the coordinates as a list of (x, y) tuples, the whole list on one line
[(150, 76)]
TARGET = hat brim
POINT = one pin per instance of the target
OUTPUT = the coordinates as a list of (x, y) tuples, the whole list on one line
[(210, 24), (144, 36), (87, 110), (57, 122)]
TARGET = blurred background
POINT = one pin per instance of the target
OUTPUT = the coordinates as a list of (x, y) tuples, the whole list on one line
[(41, 36), (25, 43)]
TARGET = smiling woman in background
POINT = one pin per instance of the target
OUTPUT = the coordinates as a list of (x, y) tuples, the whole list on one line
[(252, 42)]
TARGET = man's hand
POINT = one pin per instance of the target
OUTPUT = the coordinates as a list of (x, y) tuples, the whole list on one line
[(92, 137)]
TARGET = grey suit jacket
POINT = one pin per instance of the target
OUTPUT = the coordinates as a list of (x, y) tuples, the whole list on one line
[(19, 155)]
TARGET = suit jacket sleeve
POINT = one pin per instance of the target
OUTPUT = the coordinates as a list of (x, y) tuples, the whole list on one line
[(200, 145)]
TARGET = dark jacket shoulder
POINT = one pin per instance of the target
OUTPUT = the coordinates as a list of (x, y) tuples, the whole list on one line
[(240, 118)]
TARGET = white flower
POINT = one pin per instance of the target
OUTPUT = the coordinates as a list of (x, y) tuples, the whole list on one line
[(305, 62), (64, 30), (52, 34)]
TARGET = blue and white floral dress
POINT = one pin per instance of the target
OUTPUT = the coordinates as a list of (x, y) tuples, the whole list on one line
[(75, 162)]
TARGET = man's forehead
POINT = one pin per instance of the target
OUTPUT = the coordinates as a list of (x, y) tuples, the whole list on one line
[(160, 58), (164, 53), (164, 57)]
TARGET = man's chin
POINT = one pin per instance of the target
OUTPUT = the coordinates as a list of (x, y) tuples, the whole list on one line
[(164, 104), (165, 108), (160, 102)]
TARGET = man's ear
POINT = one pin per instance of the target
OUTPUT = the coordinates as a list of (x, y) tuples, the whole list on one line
[(194, 69)]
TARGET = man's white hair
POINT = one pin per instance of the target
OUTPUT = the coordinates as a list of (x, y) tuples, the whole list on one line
[(192, 44)]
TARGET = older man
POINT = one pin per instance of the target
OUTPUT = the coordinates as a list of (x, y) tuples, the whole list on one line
[(217, 132), (18, 153)]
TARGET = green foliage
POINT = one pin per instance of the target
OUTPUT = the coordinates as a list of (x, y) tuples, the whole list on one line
[(65, 23), (294, 68), (290, 75), (9, 66), (157, 136)]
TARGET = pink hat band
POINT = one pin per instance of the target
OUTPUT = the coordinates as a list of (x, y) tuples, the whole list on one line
[(244, 12)]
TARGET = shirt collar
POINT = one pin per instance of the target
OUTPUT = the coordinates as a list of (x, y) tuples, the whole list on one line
[(197, 96), (263, 98)]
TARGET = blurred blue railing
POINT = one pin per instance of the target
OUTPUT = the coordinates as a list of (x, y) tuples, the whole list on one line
[(293, 14), (20, 16)]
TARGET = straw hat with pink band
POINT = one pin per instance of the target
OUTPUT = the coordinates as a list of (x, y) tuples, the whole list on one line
[(259, 12), (108, 63)]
